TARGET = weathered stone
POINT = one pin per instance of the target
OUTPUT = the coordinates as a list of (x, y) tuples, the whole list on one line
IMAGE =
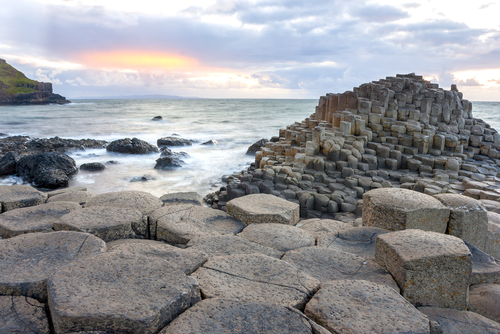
[(256, 277), (431, 269), (48, 169), (485, 268), (398, 209), (138, 200), (263, 208), (173, 141), (454, 321), (131, 146), (316, 227), (19, 196), (22, 315), (92, 166), (484, 299), (278, 236), (182, 198), (107, 293), (349, 306), (26, 261), (80, 197), (65, 190), (40, 218)]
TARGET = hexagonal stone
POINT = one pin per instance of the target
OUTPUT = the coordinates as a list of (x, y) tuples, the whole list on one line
[(138, 200), (178, 224), (80, 197), (220, 245), (468, 218), (431, 269), (317, 227), (26, 261), (185, 260), (39, 218), (328, 264), (255, 277), (484, 299), (107, 223), (485, 268), (349, 306), (278, 236), (119, 293), (263, 208), (182, 198), (398, 209), (22, 315), (357, 240), (19, 196), (454, 321), (225, 316)]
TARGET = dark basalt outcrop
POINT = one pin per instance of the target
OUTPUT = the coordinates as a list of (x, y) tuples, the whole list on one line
[(47, 170), (131, 146)]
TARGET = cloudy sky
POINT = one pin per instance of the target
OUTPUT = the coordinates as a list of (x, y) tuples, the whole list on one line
[(250, 48)]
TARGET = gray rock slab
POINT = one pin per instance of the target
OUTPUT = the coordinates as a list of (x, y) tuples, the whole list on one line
[(178, 224), (485, 268), (489, 204), (329, 264), (220, 245), (39, 218), (484, 299), (357, 240), (22, 315), (185, 260), (349, 306), (138, 200), (255, 277), (119, 293), (455, 321), (80, 197), (263, 208), (316, 227), (26, 261), (19, 196), (182, 198), (398, 209), (432, 269), (278, 236), (225, 316)]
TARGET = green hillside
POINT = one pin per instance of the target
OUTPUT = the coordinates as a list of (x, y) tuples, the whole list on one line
[(15, 81)]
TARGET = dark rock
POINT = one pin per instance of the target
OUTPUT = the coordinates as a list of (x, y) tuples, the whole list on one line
[(14, 143), (3, 134), (62, 145), (166, 152), (92, 166), (172, 141), (143, 178), (131, 146), (8, 163), (256, 146), (211, 142), (168, 162), (157, 118), (112, 162), (48, 170)]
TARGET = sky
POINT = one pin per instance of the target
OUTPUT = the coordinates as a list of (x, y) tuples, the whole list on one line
[(250, 48)]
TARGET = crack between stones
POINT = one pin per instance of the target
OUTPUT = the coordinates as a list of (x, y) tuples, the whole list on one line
[(169, 213), (81, 246)]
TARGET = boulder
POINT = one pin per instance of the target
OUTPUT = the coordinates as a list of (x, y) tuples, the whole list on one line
[(257, 278), (168, 162), (220, 245), (19, 196), (256, 146), (431, 269), (263, 208), (210, 142), (80, 197), (349, 306), (26, 261), (225, 316), (445, 320), (8, 163), (157, 118), (131, 146), (328, 265), (166, 152), (92, 166), (485, 268), (138, 200), (144, 178), (398, 209), (22, 315), (47, 170), (278, 236), (107, 293), (173, 141), (106, 223), (182, 198), (40, 218)]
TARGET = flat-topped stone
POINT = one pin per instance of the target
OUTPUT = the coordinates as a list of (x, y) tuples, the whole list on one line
[(278, 236), (26, 261), (316, 227), (182, 198), (263, 208), (220, 245), (485, 268), (329, 264), (139, 200), (22, 315), (39, 218), (80, 197), (107, 293), (431, 269), (225, 316), (350, 306), (454, 321), (19, 196), (65, 191), (107, 223), (255, 277), (398, 209)]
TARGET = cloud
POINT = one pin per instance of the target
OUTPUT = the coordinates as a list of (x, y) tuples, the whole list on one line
[(378, 13), (469, 82)]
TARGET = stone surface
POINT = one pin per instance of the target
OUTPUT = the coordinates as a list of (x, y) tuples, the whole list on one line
[(278, 236), (316, 227), (485, 268), (349, 306), (40, 218), (80, 197), (26, 261), (263, 208), (225, 316), (220, 245), (255, 277), (138, 200), (19, 196), (22, 315), (108, 293), (92, 166), (47, 170), (131, 146), (106, 223), (455, 321), (431, 269), (398, 209), (484, 299), (173, 141), (182, 198)]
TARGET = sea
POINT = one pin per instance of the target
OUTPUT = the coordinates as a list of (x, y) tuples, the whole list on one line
[(234, 123)]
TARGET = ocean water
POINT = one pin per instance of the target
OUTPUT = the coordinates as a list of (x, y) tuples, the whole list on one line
[(234, 123)]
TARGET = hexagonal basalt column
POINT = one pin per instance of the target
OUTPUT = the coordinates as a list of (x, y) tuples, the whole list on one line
[(262, 208)]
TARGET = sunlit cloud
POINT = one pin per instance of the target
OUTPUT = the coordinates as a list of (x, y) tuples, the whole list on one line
[(487, 78)]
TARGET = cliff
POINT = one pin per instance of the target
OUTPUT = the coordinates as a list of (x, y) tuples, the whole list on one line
[(17, 89)]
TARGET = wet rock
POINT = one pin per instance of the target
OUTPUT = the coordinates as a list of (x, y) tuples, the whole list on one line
[(278, 236), (220, 245), (138, 200), (168, 163), (263, 208), (131, 146), (92, 166), (182, 198), (157, 118), (57, 144), (144, 178), (455, 321), (19, 196), (48, 170), (8, 163), (211, 142), (166, 152), (22, 315), (256, 146), (173, 141)]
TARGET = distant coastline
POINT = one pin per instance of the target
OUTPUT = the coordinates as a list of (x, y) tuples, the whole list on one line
[(137, 97)]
